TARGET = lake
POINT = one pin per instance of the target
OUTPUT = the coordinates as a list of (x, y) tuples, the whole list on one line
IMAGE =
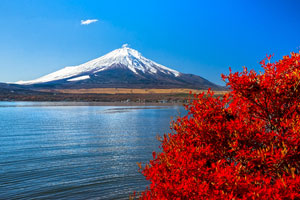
[(58, 151)]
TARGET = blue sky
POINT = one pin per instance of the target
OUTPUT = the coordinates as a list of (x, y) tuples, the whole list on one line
[(38, 37)]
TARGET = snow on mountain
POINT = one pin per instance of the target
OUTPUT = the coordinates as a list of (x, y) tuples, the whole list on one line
[(124, 56), (79, 78)]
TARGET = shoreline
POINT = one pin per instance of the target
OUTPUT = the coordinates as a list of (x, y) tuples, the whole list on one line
[(77, 103)]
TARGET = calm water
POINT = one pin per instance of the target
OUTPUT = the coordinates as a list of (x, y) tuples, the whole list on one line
[(77, 152)]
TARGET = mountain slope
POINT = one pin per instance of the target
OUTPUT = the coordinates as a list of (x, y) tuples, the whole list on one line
[(124, 68)]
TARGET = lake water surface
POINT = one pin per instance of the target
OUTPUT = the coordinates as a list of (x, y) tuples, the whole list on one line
[(53, 151)]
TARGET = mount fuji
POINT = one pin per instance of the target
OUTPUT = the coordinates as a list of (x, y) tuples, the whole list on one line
[(121, 68)]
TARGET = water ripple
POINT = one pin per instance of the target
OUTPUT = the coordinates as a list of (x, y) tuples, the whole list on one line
[(78, 152)]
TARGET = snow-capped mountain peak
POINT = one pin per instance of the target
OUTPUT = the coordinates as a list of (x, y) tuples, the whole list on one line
[(125, 57)]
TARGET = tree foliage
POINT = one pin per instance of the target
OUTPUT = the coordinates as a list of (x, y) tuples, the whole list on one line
[(243, 145)]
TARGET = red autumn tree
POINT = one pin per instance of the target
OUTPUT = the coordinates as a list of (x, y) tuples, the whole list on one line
[(244, 145)]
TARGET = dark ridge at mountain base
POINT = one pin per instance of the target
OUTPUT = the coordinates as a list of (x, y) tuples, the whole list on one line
[(12, 89), (124, 78)]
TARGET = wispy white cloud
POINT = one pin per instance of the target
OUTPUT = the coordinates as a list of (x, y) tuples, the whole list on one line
[(88, 21)]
